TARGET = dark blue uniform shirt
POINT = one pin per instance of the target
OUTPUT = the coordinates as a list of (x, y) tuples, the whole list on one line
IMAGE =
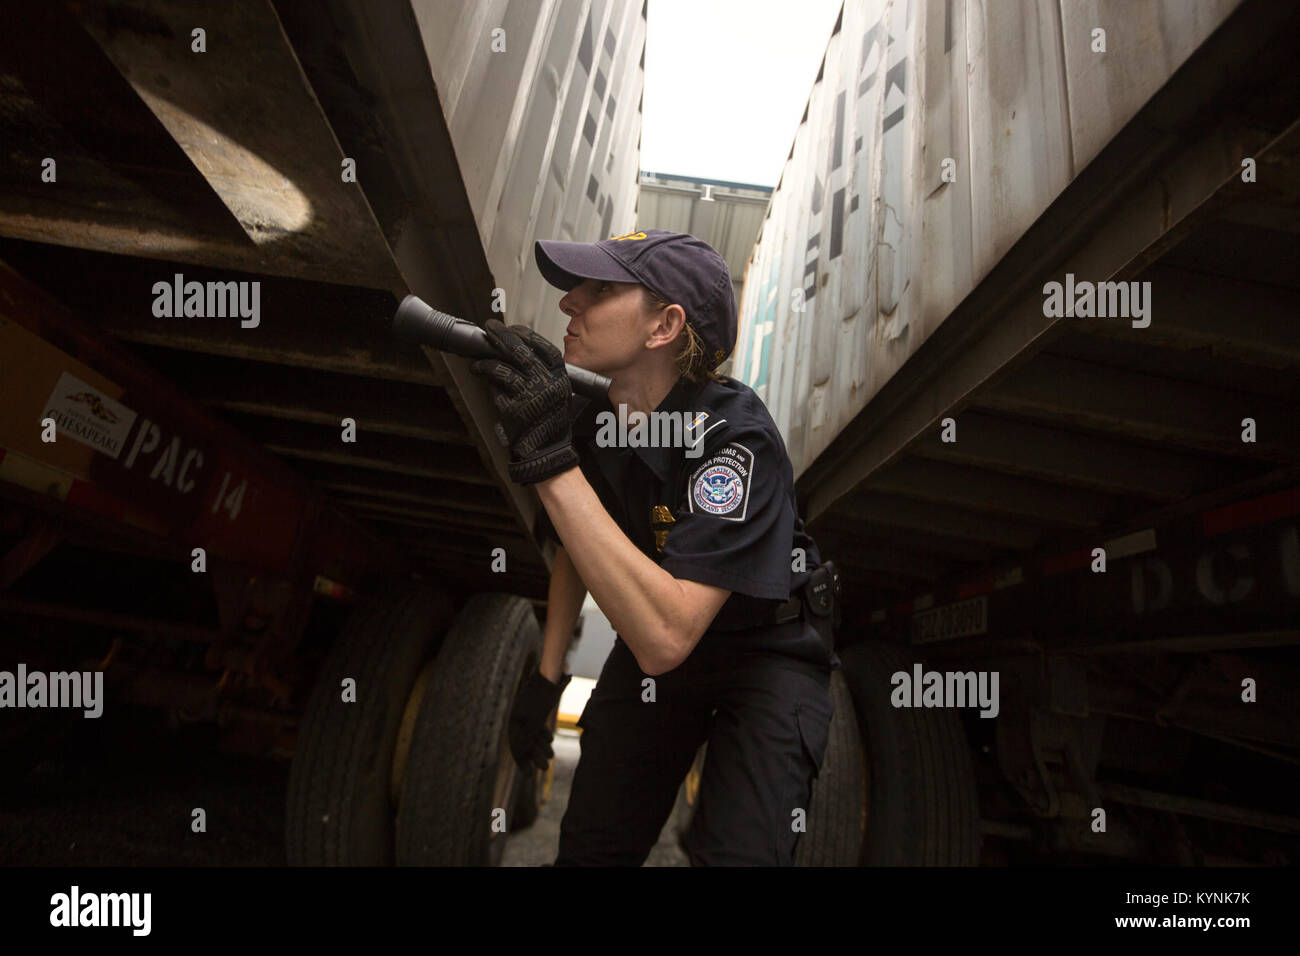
[(723, 514)]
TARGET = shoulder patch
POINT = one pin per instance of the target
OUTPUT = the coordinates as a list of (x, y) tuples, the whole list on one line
[(720, 486)]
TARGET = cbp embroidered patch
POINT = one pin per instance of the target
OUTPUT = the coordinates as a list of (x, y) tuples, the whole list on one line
[(721, 485)]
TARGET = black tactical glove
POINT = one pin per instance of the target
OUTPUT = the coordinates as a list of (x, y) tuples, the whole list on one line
[(530, 737), (531, 391)]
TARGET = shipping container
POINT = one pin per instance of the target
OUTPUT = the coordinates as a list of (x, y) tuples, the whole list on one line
[(277, 516), (935, 135), (1097, 502)]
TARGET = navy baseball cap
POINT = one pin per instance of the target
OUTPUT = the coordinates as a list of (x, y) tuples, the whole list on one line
[(675, 266)]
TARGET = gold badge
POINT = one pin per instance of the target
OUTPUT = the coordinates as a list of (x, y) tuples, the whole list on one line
[(628, 235), (661, 520)]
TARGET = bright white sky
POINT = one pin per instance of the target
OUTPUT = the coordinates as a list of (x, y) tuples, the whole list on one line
[(726, 82)]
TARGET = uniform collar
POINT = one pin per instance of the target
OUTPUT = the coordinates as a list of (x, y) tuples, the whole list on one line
[(680, 398)]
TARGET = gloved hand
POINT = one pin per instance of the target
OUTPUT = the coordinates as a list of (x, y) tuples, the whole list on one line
[(530, 737), (531, 391)]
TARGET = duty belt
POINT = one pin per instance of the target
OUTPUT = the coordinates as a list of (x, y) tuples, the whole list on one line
[(789, 611), (817, 603)]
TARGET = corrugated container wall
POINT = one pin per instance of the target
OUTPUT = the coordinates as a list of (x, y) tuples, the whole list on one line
[(547, 130), (866, 248)]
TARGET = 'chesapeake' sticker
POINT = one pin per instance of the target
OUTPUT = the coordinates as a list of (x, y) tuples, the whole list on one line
[(721, 485), (85, 414)]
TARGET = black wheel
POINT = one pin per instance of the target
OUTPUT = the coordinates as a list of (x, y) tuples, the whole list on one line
[(837, 807), (922, 805), (460, 774), (339, 809)]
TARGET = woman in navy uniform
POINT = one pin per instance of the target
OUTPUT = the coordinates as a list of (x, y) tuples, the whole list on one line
[(694, 551)]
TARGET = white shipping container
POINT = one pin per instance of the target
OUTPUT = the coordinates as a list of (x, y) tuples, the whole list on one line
[(543, 101), (868, 246)]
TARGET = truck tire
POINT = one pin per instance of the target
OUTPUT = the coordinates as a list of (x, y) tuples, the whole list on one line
[(339, 811), (526, 801), (922, 804), (837, 807), (460, 772)]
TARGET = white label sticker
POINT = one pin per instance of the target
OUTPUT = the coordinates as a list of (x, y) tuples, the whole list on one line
[(85, 414)]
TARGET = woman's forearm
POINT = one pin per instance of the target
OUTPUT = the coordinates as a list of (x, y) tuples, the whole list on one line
[(641, 599), (563, 605)]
